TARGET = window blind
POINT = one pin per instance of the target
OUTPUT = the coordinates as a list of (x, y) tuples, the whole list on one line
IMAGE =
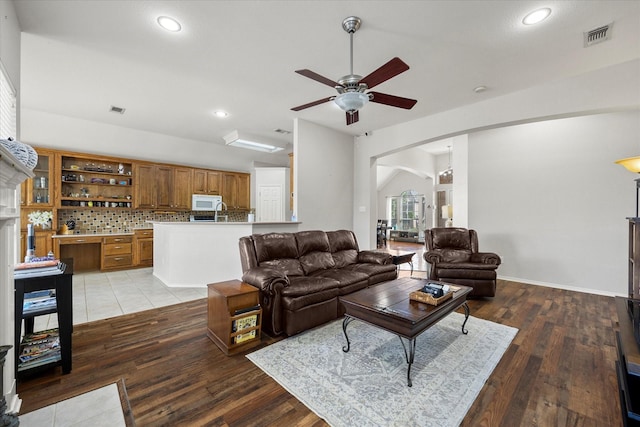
[(7, 106)]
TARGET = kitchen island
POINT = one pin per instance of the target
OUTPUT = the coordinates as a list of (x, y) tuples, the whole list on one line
[(193, 254)]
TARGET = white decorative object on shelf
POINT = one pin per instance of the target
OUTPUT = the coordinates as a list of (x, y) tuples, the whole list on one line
[(41, 218)]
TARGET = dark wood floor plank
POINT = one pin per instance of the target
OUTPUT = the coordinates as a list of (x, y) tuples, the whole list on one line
[(558, 371)]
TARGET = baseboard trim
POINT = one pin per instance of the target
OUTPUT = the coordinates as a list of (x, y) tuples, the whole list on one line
[(564, 287)]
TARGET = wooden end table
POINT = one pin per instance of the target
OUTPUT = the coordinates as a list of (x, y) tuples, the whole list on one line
[(388, 306)]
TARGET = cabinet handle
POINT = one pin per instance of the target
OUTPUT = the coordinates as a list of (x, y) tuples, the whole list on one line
[(118, 259), (117, 240), (118, 247), (79, 240)]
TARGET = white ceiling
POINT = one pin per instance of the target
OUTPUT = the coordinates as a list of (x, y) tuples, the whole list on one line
[(81, 57)]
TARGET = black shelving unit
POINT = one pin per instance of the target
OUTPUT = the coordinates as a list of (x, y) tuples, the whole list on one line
[(62, 285)]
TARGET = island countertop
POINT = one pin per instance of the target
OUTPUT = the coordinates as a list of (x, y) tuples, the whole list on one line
[(194, 254)]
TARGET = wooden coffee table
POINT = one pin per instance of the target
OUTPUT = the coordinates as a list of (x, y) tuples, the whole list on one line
[(388, 307)]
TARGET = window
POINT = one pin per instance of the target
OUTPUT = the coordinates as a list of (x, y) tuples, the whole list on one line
[(7, 106)]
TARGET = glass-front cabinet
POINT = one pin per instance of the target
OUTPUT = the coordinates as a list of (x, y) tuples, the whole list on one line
[(39, 190)]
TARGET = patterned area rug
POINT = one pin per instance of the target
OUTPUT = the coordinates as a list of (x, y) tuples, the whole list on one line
[(368, 385)]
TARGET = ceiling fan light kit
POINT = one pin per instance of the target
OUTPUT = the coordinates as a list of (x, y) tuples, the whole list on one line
[(351, 88)]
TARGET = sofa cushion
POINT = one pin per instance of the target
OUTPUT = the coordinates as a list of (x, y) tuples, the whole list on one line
[(279, 251), (314, 251), (344, 247), (303, 285), (343, 276), (373, 269)]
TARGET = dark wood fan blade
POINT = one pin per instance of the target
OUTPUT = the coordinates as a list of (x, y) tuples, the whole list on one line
[(312, 104), (384, 73), (317, 77), (394, 101), (352, 118)]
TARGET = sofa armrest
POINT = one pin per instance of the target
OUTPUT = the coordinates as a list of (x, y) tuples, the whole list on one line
[(265, 279), (432, 257), (486, 258), (270, 282), (375, 257)]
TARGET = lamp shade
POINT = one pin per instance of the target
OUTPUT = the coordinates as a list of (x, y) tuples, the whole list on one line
[(631, 163), (447, 211)]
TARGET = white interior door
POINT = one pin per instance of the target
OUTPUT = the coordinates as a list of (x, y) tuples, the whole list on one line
[(270, 205)]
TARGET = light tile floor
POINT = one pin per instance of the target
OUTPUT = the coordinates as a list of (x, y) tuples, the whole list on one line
[(99, 295), (96, 408)]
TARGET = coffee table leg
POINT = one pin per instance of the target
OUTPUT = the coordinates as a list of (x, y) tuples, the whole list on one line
[(466, 317), (345, 323), (409, 356)]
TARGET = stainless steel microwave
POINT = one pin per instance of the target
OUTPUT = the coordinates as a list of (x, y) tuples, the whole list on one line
[(205, 202)]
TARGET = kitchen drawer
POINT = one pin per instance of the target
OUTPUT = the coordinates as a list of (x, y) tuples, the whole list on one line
[(144, 233), (116, 249), (80, 240), (117, 239), (117, 261)]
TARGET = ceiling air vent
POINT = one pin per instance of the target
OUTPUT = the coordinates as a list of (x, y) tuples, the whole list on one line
[(597, 35), (118, 110)]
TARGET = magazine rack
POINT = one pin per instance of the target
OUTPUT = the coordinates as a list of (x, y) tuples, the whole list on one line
[(62, 284), (234, 316)]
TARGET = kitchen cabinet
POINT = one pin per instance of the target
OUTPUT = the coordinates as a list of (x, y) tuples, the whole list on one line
[(145, 187), (37, 192), (162, 187), (236, 190), (94, 182), (143, 254), (206, 182), (181, 188), (116, 252)]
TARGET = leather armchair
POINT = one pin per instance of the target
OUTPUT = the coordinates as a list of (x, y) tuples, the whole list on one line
[(454, 258)]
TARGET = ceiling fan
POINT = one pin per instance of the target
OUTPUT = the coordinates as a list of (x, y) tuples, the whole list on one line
[(351, 88)]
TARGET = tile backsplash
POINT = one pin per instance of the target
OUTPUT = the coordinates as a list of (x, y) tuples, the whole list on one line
[(102, 221)]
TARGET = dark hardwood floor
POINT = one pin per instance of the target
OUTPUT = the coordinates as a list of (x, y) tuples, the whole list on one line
[(559, 370)]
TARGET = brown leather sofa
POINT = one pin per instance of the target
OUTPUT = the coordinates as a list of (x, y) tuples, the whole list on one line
[(301, 275), (454, 258)]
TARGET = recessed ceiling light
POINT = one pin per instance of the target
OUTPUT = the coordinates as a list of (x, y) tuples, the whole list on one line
[(536, 16), (221, 114), (169, 24)]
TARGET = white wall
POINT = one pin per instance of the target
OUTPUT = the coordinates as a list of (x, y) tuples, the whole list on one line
[(323, 177), (69, 133), (615, 88), (550, 200)]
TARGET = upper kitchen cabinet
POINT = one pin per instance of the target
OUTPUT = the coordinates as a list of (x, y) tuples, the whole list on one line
[(182, 188), (162, 187), (236, 190), (94, 182), (38, 191), (206, 182)]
